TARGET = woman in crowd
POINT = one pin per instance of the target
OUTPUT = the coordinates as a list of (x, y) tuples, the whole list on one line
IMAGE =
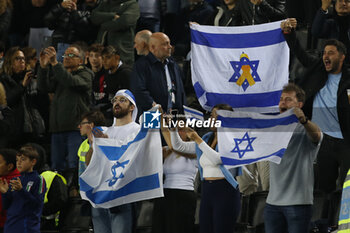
[(220, 200), (176, 210), (15, 79)]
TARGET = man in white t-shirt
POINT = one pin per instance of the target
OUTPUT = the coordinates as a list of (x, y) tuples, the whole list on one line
[(117, 219)]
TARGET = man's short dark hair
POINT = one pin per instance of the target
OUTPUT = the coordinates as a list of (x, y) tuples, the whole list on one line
[(95, 117), (339, 45), (9, 156), (96, 48), (110, 50), (299, 93)]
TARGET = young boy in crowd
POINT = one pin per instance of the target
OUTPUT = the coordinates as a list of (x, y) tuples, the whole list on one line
[(23, 196), (8, 171)]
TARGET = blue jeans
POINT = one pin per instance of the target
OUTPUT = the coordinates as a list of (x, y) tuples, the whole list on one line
[(291, 219), (64, 149), (105, 221)]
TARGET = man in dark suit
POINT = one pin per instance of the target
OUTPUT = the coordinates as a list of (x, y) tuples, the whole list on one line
[(157, 79)]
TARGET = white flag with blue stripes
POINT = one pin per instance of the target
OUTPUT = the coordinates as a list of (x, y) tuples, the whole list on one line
[(123, 173), (249, 137), (245, 67), (192, 113)]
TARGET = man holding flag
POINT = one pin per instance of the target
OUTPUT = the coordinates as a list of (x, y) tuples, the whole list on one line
[(114, 178), (290, 199)]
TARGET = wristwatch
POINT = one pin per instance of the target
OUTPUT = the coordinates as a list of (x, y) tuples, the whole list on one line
[(304, 122)]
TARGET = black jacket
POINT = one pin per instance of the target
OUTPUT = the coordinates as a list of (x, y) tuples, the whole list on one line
[(314, 80), (148, 83), (225, 17), (70, 26), (267, 11), (14, 95), (335, 27)]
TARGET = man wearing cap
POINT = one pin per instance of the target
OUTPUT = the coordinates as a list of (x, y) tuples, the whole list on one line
[(117, 76), (124, 129)]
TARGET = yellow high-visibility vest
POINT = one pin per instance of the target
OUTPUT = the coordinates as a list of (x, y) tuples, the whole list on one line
[(49, 176), (344, 215)]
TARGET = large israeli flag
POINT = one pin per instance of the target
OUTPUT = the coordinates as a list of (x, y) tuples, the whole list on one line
[(245, 67), (248, 137), (124, 173)]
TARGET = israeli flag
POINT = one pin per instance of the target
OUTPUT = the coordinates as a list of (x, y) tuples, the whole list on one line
[(192, 113), (120, 174), (249, 137), (245, 67)]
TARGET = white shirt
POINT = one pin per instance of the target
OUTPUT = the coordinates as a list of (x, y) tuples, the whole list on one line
[(179, 172), (210, 159), (124, 133)]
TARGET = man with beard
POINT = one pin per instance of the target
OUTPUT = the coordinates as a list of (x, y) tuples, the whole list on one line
[(124, 130), (326, 83), (71, 84)]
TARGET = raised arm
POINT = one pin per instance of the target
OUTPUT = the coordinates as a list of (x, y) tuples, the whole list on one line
[(313, 131), (208, 152), (288, 28), (181, 146)]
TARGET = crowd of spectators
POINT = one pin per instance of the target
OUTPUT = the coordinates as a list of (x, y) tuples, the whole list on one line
[(60, 60)]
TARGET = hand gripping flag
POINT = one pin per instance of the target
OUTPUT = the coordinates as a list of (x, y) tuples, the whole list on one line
[(248, 137), (245, 67), (120, 174)]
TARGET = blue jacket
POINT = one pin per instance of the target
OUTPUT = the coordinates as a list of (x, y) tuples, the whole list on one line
[(24, 207), (229, 174), (148, 83)]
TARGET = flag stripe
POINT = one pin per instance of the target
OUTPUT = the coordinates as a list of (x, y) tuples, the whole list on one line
[(198, 89), (193, 112), (237, 41), (249, 123), (115, 153), (240, 100), (140, 184), (235, 162)]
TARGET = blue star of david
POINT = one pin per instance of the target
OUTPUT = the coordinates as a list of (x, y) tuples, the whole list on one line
[(114, 179), (237, 66), (248, 148)]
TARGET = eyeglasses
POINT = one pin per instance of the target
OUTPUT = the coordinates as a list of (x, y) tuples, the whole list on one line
[(70, 55), (20, 58), (120, 100), (84, 123)]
